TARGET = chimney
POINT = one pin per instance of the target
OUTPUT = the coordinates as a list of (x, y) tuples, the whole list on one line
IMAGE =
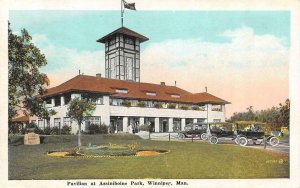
[(162, 83), (98, 75)]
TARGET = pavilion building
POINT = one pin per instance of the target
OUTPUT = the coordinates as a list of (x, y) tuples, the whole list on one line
[(123, 102)]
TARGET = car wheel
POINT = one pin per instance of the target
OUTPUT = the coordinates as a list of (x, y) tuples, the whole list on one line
[(243, 141), (213, 140), (181, 136), (204, 136), (274, 141), (237, 140)]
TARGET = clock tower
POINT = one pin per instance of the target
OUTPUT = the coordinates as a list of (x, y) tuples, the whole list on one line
[(122, 54)]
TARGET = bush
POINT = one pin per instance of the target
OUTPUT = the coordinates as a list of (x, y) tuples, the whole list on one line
[(103, 129), (54, 130), (66, 130), (141, 104), (97, 129), (172, 106), (37, 130), (126, 103), (185, 107), (93, 129), (47, 130), (158, 105), (145, 127), (30, 127), (195, 108)]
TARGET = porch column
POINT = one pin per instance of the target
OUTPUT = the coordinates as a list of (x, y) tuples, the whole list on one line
[(52, 102), (156, 124), (182, 123), (171, 125), (142, 121), (195, 120), (62, 100), (125, 123)]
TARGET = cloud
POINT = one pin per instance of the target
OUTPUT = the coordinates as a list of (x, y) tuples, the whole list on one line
[(65, 63), (250, 69)]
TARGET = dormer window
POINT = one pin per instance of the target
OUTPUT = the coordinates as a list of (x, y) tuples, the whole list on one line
[(175, 95), (151, 93), (122, 91)]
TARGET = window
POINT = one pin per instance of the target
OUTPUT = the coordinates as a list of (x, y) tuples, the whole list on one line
[(67, 121), (92, 120), (129, 68), (121, 90), (40, 123), (128, 41), (116, 102), (175, 95), (57, 122), (57, 101), (216, 108), (97, 100), (151, 93), (48, 101), (113, 68), (67, 98), (149, 104), (217, 120), (112, 41)]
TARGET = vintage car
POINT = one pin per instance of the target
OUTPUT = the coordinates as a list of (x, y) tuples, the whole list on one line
[(194, 130), (220, 130), (255, 131)]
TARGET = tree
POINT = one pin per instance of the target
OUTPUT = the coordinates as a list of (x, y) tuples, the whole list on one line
[(78, 110), (284, 116), (25, 81)]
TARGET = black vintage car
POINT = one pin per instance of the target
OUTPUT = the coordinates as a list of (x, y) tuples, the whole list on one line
[(255, 131), (220, 130), (194, 130)]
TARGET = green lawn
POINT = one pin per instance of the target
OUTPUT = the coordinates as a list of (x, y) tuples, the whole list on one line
[(186, 160)]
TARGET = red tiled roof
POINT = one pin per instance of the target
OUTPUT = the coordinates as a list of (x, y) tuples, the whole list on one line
[(125, 31), (136, 90), (21, 119)]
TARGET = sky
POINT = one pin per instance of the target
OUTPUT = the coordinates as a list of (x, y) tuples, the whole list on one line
[(240, 56)]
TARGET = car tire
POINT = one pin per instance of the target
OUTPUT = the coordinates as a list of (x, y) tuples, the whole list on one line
[(243, 141), (204, 136), (236, 140), (274, 141), (213, 140), (181, 136)]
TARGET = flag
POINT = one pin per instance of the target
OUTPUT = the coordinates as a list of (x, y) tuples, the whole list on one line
[(130, 6)]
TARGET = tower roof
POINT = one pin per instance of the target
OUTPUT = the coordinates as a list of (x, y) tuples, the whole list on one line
[(126, 31)]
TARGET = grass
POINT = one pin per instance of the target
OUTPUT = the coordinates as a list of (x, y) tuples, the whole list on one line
[(186, 160)]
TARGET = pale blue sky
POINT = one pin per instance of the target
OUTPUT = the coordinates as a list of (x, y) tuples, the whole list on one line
[(80, 29), (206, 44)]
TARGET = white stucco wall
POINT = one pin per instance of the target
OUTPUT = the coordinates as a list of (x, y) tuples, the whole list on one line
[(105, 110)]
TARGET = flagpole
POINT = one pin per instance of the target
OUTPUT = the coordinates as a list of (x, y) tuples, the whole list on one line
[(121, 13)]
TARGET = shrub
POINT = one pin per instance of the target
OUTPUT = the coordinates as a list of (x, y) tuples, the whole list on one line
[(93, 129), (37, 130), (54, 130), (30, 127), (185, 107), (195, 108), (103, 129), (47, 130), (158, 105), (172, 106), (66, 129), (141, 104), (145, 127), (126, 103)]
